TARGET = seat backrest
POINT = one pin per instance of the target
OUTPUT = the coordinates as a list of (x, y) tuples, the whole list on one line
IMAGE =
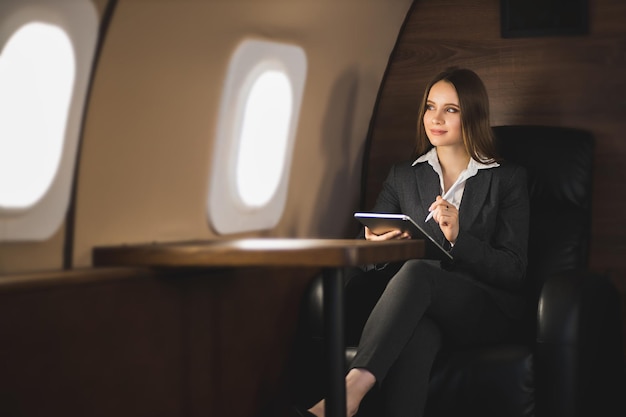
[(559, 163)]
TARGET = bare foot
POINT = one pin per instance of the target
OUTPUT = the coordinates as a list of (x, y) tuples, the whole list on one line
[(318, 409), (358, 382)]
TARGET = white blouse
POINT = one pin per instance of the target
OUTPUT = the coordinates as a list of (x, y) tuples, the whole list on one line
[(455, 192)]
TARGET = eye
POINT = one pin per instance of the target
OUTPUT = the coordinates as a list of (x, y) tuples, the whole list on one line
[(452, 110), (430, 107)]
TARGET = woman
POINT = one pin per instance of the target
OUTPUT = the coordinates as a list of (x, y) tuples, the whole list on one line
[(479, 208)]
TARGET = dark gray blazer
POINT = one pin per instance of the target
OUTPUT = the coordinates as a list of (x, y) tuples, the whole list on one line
[(493, 224)]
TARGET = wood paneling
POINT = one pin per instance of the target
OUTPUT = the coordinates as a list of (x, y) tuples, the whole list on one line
[(135, 342), (96, 343)]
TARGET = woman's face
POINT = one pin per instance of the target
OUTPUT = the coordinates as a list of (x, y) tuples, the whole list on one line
[(442, 119)]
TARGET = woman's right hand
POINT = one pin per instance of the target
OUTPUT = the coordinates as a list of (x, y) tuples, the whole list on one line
[(393, 234)]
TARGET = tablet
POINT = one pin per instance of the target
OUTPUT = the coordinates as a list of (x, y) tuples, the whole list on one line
[(380, 223)]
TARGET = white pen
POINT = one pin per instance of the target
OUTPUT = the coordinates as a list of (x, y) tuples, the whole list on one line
[(446, 196)]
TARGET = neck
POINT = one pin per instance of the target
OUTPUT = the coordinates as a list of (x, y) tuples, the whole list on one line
[(453, 161), (452, 158)]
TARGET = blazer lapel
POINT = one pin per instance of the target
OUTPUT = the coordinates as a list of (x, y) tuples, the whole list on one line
[(474, 195), (428, 189)]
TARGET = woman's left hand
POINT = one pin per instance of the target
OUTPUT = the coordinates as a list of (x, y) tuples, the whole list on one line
[(447, 217)]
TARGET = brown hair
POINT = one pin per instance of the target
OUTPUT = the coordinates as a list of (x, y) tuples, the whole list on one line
[(474, 104)]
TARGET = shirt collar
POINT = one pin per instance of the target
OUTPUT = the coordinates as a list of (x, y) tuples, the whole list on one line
[(472, 167)]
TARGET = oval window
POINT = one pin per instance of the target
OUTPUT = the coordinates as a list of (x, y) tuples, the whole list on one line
[(255, 136), (37, 69), (263, 141)]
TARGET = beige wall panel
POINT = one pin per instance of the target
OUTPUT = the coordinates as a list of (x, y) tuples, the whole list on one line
[(152, 116), (33, 256)]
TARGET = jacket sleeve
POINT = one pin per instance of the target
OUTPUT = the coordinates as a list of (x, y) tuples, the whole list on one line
[(387, 200)]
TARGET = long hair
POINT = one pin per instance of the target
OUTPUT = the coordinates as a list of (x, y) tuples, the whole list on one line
[(475, 125)]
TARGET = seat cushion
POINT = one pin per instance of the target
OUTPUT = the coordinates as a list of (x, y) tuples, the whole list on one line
[(493, 381)]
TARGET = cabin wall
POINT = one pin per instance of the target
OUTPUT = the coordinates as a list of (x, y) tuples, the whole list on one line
[(151, 118), (150, 122), (149, 133)]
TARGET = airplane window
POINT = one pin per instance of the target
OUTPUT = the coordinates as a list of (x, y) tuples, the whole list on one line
[(36, 77), (46, 54), (263, 139), (255, 134)]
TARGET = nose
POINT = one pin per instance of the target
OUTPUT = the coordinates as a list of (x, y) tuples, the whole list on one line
[(437, 119)]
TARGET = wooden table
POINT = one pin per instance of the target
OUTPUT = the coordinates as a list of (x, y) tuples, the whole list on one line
[(330, 254)]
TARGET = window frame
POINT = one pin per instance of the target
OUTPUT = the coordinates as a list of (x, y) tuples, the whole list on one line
[(79, 20), (226, 210)]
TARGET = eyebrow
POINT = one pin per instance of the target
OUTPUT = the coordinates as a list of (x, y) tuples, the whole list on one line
[(446, 104)]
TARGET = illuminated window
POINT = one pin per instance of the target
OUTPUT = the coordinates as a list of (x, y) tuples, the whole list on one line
[(254, 141), (263, 140), (46, 54), (36, 78)]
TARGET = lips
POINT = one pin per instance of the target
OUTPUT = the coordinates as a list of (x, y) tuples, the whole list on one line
[(438, 132)]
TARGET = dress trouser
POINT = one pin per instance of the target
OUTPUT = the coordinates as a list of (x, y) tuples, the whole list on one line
[(422, 308)]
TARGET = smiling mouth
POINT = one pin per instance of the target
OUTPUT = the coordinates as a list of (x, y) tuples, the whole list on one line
[(437, 131)]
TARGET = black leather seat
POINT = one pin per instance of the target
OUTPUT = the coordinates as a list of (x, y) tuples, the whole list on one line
[(567, 358)]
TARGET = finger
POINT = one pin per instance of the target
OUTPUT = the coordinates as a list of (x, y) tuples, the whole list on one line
[(445, 215), (369, 235), (393, 234), (446, 209), (448, 218), (437, 215), (441, 203)]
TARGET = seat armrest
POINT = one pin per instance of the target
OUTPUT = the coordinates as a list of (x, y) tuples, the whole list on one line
[(558, 310), (578, 350), (576, 305)]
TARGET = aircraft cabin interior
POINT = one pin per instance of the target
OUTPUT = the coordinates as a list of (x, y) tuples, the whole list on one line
[(178, 184)]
